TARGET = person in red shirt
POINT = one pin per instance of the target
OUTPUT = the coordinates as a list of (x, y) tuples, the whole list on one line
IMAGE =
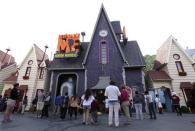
[(125, 103), (94, 108)]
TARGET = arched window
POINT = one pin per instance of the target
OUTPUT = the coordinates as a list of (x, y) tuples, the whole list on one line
[(103, 53), (180, 68)]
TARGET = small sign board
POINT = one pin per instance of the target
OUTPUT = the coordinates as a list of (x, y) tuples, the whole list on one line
[(63, 55)]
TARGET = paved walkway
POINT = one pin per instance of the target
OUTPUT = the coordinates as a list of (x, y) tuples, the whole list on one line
[(165, 122)]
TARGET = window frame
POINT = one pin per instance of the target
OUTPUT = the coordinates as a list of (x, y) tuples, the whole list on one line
[(101, 44), (41, 72), (182, 72), (27, 73), (28, 70)]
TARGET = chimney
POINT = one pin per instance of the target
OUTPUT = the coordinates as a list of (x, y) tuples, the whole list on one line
[(124, 35)]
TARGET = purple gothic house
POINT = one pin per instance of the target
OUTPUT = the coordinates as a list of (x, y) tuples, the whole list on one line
[(108, 56)]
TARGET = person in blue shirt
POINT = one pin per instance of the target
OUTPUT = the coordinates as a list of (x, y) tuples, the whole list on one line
[(57, 104)]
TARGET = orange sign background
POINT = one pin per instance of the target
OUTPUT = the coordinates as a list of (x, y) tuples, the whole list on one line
[(65, 46)]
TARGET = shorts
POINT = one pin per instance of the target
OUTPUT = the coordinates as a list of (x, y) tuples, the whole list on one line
[(40, 105), (86, 106)]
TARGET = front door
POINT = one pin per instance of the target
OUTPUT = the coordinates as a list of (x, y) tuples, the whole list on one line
[(67, 83)]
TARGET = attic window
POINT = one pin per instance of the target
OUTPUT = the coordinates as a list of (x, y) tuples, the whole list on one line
[(103, 53), (27, 74), (41, 73), (180, 68)]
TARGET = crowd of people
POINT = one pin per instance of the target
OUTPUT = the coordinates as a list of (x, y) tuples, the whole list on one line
[(117, 101)]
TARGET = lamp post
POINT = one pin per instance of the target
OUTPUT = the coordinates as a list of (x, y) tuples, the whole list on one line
[(46, 46), (7, 50)]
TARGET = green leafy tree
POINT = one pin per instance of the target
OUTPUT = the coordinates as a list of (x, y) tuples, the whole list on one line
[(149, 61)]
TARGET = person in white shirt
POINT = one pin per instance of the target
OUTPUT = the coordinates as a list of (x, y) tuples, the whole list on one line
[(150, 105), (46, 105), (158, 104), (40, 102), (112, 93), (87, 99)]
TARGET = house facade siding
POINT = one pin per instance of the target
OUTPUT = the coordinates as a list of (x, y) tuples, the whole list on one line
[(159, 84), (114, 66), (4, 73), (33, 82), (134, 78), (172, 70), (33, 75)]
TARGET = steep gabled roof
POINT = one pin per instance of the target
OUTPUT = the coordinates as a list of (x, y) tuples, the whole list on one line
[(159, 76), (133, 54), (38, 54), (6, 60), (103, 11), (164, 51), (12, 78)]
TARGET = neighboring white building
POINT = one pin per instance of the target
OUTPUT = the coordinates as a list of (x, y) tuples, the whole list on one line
[(32, 72), (7, 67), (8, 83), (191, 53), (179, 66)]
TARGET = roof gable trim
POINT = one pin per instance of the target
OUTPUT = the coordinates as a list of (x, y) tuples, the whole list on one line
[(102, 9)]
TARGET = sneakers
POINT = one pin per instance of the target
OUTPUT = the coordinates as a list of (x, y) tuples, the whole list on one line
[(6, 121), (111, 125)]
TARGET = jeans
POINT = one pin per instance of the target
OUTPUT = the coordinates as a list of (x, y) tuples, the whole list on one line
[(177, 109), (113, 107), (73, 110), (94, 116), (152, 111), (63, 111), (45, 111), (23, 108), (139, 113), (57, 109)]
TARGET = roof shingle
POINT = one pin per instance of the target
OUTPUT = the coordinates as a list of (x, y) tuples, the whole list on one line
[(159, 76), (133, 54), (6, 60)]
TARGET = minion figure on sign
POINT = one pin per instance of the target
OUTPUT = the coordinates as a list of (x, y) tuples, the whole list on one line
[(68, 46)]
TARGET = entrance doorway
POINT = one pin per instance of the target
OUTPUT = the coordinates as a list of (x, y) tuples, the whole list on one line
[(67, 83), (165, 98)]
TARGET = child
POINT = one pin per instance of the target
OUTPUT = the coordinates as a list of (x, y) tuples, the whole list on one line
[(158, 104)]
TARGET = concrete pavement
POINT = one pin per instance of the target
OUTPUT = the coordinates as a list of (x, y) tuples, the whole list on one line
[(165, 122)]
